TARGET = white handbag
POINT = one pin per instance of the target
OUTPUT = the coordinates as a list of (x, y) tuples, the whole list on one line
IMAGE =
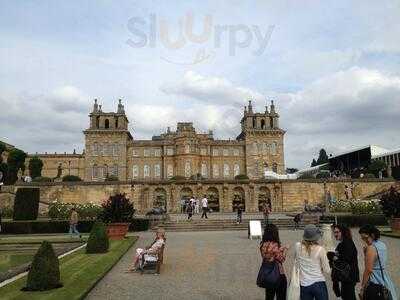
[(293, 292)]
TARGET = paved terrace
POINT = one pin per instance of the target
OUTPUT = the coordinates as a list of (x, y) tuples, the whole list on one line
[(208, 265)]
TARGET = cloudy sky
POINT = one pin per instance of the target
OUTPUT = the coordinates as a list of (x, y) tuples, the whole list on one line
[(332, 68)]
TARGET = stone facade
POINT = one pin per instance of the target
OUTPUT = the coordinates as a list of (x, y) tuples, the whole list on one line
[(224, 196), (110, 149)]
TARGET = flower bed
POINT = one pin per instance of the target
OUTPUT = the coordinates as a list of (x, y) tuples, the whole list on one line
[(356, 207), (62, 211)]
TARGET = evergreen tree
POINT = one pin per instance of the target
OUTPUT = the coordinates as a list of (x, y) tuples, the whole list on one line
[(98, 240), (15, 162), (322, 158), (35, 167), (45, 270), (313, 163)]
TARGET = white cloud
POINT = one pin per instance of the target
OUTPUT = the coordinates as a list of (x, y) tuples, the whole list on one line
[(214, 90)]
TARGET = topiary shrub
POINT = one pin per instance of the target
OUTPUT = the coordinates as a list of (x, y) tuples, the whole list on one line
[(35, 167), (26, 204), (42, 179), (98, 240), (111, 178), (71, 178), (241, 177), (44, 273)]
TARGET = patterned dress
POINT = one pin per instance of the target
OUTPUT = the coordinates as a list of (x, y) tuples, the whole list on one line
[(270, 251)]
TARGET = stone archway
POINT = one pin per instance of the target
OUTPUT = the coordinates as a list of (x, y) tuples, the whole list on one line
[(213, 198), (186, 193), (264, 196), (238, 199), (160, 198)]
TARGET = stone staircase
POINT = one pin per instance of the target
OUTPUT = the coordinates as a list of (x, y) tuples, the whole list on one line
[(227, 222)]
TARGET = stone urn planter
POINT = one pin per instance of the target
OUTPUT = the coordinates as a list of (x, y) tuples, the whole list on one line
[(117, 231)]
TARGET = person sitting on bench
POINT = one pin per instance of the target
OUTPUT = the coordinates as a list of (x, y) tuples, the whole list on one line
[(151, 250)]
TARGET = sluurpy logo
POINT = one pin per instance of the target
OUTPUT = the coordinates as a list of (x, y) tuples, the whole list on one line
[(156, 31)]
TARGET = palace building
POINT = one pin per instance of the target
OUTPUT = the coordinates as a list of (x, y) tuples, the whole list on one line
[(111, 150)]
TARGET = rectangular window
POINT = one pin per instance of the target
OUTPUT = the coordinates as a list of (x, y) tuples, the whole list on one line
[(236, 152), (170, 151), (215, 152), (203, 151), (170, 171), (146, 171), (157, 152), (146, 152), (226, 152), (135, 152)]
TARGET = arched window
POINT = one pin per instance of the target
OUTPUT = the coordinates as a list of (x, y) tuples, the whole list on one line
[(97, 122), (204, 170), (254, 122), (116, 123), (95, 172), (226, 170), (262, 124), (157, 170), (236, 170), (146, 171), (170, 171), (215, 171), (271, 122), (188, 170), (273, 148), (107, 124), (135, 172)]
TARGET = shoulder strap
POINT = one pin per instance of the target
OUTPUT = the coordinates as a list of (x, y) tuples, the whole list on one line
[(380, 265)]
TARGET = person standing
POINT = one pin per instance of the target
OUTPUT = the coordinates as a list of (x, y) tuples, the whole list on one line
[(297, 219), (345, 253), (239, 215), (189, 210), (266, 211), (197, 206), (272, 251), (73, 222), (375, 277), (204, 206), (312, 262)]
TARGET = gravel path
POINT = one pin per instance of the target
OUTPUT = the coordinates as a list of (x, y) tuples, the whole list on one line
[(207, 265)]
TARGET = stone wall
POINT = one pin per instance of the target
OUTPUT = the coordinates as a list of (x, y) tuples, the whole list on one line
[(284, 195)]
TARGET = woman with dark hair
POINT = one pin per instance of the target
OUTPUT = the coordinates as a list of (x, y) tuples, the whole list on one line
[(271, 250), (375, 279), (345, 272)]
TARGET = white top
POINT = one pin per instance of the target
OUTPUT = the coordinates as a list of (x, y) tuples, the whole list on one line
[(192, 201), (204, 202), (312, 266)]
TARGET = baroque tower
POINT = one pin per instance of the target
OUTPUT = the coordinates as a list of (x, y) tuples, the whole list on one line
[(106, 142), (263, 141)]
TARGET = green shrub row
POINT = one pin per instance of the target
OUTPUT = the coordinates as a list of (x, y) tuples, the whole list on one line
[(356, 220), (57, 226), (357, 207)]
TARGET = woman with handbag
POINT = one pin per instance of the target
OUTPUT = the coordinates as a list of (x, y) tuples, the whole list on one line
[(273, 255), (344, 263), (312, 261), (376, 283)]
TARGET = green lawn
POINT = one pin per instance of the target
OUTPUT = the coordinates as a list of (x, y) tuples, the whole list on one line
[(79, 273), (12, 260), (40, 239)]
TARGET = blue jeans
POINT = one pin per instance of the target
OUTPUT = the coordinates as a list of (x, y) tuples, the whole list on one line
[(317, 291), (72, 229)]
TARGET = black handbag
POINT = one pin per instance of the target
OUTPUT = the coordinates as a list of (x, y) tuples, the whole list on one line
[(341, 271), (384, 291), (268, 275)]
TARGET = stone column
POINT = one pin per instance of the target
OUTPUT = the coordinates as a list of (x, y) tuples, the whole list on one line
[(250, 207)]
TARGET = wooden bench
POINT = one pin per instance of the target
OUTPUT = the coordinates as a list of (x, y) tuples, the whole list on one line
[(154, 267)]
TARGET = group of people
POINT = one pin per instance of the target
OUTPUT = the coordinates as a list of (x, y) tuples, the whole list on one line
[(192, 206), (314, 265)]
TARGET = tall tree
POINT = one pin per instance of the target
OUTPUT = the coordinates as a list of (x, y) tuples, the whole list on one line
[(313, 163), (35, 167), (323, 157), (15, 162)]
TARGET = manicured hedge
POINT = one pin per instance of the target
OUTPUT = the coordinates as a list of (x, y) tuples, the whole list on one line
[(357, 220), (57, 226), (26, 204)]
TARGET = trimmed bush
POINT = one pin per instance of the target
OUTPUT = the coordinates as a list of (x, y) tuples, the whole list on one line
[(42, 179), (35, 167), (357, 220), (241, 177), (67, 178), (111, 178), (98, 240), (26, 204), (45, 270), (50, 226)]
